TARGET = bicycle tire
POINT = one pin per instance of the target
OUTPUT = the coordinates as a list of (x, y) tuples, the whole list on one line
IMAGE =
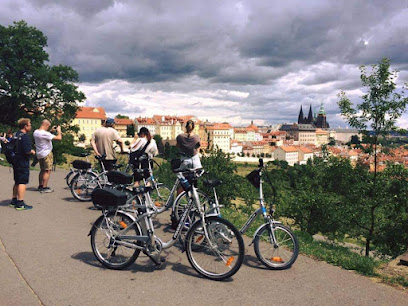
[(83, 184), (280, 256), (182, 201), (69, 177), (225, 257), (160, 196), (114, 257)]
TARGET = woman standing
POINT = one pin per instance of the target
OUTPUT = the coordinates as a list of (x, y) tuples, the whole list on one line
[(145, 144), (189, 144)]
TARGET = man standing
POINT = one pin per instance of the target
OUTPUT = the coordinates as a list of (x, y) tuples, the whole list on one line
[(102, 143), (43, 145), (21, 165)]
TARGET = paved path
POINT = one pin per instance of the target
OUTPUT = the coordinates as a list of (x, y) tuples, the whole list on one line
[(46, 258)]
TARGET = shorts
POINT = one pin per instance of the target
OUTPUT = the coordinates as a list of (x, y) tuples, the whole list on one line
[(47, 162), (21, 175), (190, 162)]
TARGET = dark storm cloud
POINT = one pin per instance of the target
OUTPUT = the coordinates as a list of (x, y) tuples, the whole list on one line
[(282, 54)]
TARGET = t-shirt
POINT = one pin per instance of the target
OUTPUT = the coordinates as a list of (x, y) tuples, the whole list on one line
[(43, 143), (23, 150), (151, 149), (104, 138), (188, 144)]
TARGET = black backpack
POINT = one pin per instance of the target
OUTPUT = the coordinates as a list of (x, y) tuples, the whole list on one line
[(10, 149)]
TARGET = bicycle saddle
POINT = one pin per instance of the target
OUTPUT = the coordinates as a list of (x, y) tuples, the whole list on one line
[(81, 164), (212, 183)]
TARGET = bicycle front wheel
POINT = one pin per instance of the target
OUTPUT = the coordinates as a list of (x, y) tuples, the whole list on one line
[(83, 184), (161, 197), (222, 255), (281, 254), (107, 248)]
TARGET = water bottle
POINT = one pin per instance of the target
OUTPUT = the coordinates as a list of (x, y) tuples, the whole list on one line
[(185, 184)]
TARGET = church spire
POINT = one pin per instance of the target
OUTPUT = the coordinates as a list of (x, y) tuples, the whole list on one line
[(310, 116), (300, 118)]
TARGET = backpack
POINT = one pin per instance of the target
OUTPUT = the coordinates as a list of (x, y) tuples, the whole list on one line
[(10, 149)]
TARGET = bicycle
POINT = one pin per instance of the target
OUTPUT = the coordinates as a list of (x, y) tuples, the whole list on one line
[(275, 245), (86, 180), (74, 169), (117, 237)]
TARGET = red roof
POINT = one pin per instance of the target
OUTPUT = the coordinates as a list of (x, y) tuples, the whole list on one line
[(147, 121), (91, 113), (123, 121), (289, 149)]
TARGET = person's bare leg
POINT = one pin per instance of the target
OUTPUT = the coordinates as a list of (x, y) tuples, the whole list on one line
[(15, 187), (45, 178), (21, 188), (40, 178)]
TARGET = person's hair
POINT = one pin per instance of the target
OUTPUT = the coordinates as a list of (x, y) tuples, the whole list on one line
[(145, 131), (189, 126), (23, 122)]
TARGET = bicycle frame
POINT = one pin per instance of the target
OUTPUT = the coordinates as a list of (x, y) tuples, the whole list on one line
[(151, 238)]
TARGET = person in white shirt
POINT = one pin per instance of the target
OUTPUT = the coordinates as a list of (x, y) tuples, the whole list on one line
[(151, 150), (43, 144), (141, 141)]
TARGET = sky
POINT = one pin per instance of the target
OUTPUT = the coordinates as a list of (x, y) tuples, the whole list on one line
[(233, 61)]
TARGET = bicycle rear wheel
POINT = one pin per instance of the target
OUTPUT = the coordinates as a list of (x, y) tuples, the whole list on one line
[(105, 246), (69, 177), (280, 255), (222, 256), (83, 184)]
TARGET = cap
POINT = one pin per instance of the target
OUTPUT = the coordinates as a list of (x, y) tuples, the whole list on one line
[(110, 121)]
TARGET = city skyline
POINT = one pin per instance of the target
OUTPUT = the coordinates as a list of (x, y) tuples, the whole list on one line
[(233, 61)]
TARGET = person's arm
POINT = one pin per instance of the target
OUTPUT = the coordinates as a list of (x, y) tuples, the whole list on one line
[(59, 135), (26, 143), (120, 143), (93, 144)]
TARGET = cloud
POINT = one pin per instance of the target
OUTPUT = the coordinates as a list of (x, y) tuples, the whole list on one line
[(241, 60)]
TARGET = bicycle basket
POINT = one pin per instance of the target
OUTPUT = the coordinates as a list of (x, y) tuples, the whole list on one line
[(254, 178), (81, 164), (175, 163)]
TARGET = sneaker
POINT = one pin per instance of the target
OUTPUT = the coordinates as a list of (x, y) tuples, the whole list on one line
[(13, 203), (40, 188), (23, 206), (46, 190)]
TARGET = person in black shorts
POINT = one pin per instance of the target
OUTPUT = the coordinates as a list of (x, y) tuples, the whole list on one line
[(21, 166)]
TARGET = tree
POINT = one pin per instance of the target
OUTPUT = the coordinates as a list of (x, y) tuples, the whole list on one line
[(119, 116), (29, 87), (130, 129), (355, 140), (379, 110), (159, 142), (82, 138)]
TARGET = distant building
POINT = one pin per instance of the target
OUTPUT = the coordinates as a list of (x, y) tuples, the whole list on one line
[(219, 137), (148, 123), (344, 135), (290, 154), (88, 120), (318, 121), (121, 125)]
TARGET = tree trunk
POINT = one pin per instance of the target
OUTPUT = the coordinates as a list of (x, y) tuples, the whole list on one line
[(367, 247)]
